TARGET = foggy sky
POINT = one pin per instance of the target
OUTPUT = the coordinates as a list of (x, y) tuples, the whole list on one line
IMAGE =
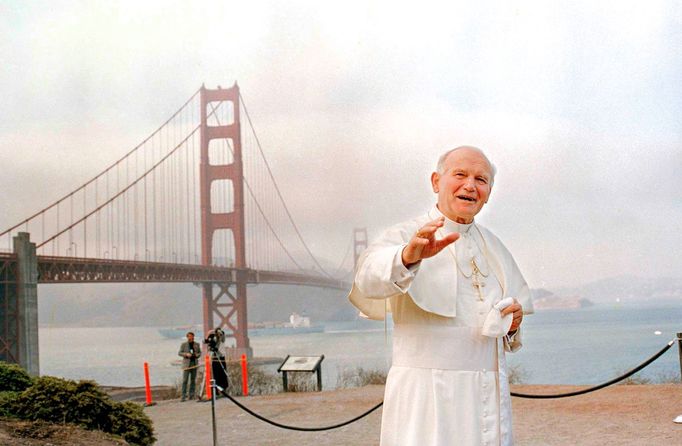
[(577, 103)]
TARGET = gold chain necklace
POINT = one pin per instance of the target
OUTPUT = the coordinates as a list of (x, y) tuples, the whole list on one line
[(474, 266)]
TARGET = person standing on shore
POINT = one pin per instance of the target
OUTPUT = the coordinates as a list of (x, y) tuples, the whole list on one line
[(458, 299), (190, 351)]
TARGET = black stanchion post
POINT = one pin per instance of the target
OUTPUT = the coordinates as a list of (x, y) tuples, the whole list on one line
[(213, 390), (679, 350)]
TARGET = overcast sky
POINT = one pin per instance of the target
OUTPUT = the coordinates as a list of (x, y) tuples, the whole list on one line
[(578, 103)]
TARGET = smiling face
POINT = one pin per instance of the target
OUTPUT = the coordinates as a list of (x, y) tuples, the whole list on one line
[(464, 185)]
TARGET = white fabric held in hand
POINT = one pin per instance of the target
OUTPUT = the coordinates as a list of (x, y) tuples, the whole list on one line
[(504, 303), (496, 326)]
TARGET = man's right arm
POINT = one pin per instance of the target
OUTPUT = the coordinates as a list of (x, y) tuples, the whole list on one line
[(381, 272), (392, 262)]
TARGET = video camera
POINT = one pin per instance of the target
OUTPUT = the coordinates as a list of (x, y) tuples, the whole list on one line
[(214, 339)]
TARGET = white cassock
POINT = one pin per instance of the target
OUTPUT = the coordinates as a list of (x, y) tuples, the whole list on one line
[(448, 382)]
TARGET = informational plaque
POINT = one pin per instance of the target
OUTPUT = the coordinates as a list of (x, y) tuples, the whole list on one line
[(311, 364), (300, 364)]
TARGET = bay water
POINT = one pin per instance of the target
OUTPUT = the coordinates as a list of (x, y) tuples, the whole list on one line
[(584, 346)]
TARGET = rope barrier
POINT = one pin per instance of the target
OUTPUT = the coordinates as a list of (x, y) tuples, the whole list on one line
[(298, 428), (516, 394), (600, 386)]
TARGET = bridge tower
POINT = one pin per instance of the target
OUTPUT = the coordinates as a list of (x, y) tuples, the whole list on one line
[(19, 305), (359, 244), (226, 300)]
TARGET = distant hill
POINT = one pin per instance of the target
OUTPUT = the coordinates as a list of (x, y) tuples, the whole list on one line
[(546, 300), (178, 304), (628, 289)]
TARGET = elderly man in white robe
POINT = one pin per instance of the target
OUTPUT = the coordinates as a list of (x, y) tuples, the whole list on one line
[(458, 299)]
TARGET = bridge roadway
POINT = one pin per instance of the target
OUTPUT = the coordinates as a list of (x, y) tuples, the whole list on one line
[(53, 269)]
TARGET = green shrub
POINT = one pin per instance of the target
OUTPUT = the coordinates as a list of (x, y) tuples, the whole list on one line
[(48, 399), (130, 422), (64, 401), (8, 403), (13, 377)]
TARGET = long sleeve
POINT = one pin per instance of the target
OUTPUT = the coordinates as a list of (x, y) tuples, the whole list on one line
[(381, 273)]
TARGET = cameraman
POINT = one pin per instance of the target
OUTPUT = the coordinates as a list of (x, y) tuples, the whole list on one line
[(189, 351), (215, 341)]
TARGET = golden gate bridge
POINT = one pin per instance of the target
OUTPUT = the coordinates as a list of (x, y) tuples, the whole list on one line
[(195, 201)]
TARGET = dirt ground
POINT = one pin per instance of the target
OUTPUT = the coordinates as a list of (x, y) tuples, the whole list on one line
[(27, 433), (618, 415)]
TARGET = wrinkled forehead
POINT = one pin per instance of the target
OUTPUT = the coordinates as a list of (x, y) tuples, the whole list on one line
[(468, 158)]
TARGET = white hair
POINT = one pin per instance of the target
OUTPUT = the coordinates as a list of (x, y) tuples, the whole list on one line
[(440, 167)]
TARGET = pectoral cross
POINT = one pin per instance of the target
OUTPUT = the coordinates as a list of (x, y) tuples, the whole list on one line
[(476, 282)]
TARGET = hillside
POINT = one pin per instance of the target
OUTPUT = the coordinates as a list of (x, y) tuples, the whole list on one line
[(180, 304), (177, 304)]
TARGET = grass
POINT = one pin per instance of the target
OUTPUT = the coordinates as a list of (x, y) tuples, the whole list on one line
[(517, 374), (360, 377)]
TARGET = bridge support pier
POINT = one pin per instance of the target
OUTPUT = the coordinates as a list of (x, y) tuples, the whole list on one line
[(19, 306), (228, 302)]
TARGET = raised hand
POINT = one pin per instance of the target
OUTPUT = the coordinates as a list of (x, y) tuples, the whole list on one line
[(424, 243)]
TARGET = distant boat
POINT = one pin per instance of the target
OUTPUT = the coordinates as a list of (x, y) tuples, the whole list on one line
[(180, 332), (297, 325)]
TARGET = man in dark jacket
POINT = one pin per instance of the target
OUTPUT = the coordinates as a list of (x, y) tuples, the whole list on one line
[(190, 351)]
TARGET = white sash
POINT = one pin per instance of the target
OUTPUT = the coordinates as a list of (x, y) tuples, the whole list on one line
[(443, 347)]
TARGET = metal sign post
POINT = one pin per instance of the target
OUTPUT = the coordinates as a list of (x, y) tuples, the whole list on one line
[(213, 389)]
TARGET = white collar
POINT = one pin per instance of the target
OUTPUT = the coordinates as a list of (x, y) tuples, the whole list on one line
[(450, 226)]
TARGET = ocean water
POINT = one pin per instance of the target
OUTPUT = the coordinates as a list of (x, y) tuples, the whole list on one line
[(586, 346)]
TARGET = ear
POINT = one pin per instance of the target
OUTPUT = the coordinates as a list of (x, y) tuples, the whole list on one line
[(434, 182)]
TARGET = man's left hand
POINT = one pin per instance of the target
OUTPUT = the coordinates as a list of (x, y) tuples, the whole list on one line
[(517, 311)]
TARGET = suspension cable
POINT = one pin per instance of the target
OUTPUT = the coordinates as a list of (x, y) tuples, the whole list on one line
[(279, 194), (104, 171), (125, 189), (258, 206), (343, 260)]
